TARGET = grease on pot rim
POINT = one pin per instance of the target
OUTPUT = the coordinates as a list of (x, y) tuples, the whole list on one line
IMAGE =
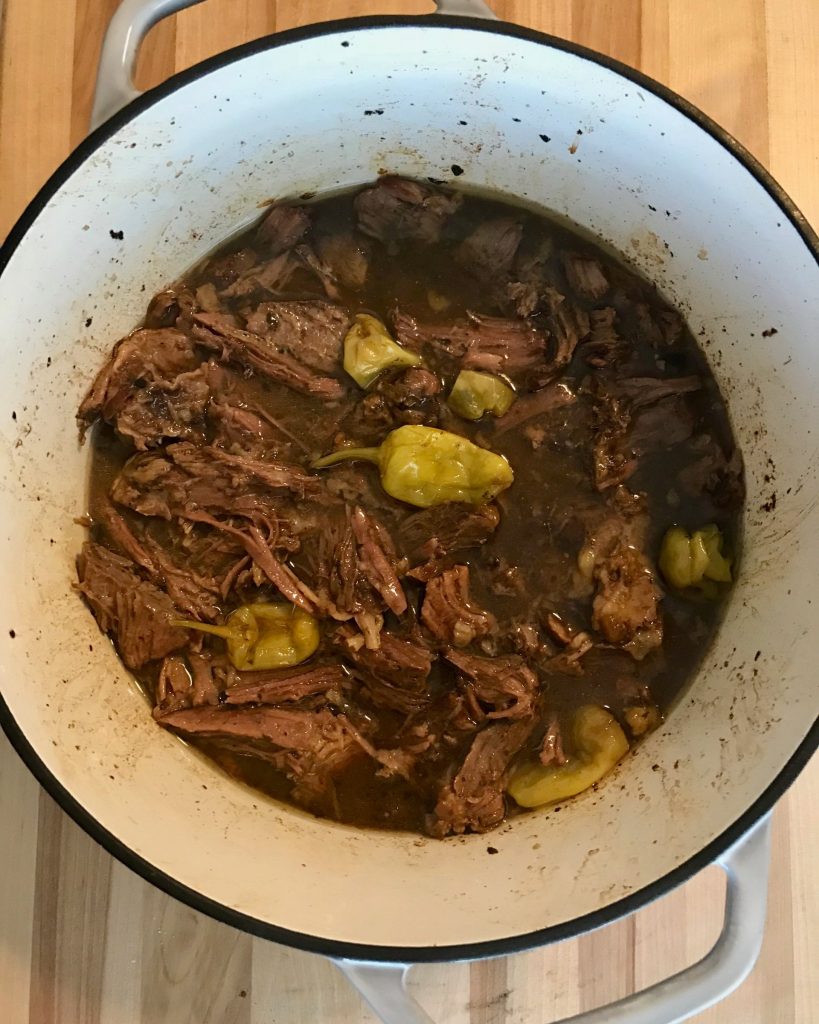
[(396, 508)]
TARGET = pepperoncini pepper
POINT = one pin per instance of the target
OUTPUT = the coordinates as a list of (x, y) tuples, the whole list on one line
[(599, 743), (424, 466), (690, 561), (264, 636), (369, 350), (474, 394)]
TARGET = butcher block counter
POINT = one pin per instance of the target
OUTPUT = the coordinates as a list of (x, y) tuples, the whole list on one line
[(85, 941)]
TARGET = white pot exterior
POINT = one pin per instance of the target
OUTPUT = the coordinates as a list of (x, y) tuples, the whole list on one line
[(414, 98)]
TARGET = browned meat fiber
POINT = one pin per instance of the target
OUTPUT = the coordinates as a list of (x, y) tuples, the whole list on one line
[(378, 662)]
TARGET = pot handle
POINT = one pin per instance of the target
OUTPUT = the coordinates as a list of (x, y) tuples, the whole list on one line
[(676, 999), (134, 19)]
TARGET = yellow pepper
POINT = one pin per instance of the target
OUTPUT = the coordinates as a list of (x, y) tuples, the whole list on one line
[(688, 561), (599, 744), (369, 350), (425, 466), (474, 394), (264, 636)]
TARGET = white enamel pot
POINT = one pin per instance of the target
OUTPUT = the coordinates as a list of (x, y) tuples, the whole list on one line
[(159, 184)]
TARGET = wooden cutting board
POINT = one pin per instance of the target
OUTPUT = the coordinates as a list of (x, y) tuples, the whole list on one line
[(84, 941)]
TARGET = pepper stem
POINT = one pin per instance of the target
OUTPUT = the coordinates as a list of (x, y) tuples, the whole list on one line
[(370, 454), (226, 632)]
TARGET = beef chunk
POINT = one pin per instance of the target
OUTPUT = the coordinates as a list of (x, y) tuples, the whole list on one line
[(568, 326), (448, 613), (269, 277), (642, 391), (636, 415), (714, 474), (395, 675), (283, 228), (311, 746), (147, 390), (661, 328), (489, 343), (318, 269), (613, 462), (397, 209), (434, 533), (397, 397), (532, 288), (182, 685), (174, 686), (347, 256), (506, 685), (474, 799), (585, 276), (548, 400), (604, 346), (311, 332), (184, 478), (626, 603), (248, 430), (135, 612), (662, 425), (223, 271), (171, 307), (488, 252), (165, 411), (216, 332), (284, 685)]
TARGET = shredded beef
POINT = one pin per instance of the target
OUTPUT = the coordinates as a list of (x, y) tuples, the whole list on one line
[(184, 478), (191, 593), (505, 684), (636, 415), (378, 559), (136, 613), (397, 209), (395, 675), (625, 608), (147, 389), (433, 533), (310, 746), (311, 332), (448, 613), (585, 276), (488, 343), (347, 256), (545, 402), (551, 748), (714, 474), (216, 332), (283, 685), (282, 228), (474, 799), (532, 288)]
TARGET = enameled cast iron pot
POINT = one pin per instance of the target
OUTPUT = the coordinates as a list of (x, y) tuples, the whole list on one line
[(174, 172)]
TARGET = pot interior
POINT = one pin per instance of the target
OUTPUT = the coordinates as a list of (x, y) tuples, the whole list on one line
[(494, 109)]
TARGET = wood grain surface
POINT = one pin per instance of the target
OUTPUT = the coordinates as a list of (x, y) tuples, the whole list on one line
[(82, 939)]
